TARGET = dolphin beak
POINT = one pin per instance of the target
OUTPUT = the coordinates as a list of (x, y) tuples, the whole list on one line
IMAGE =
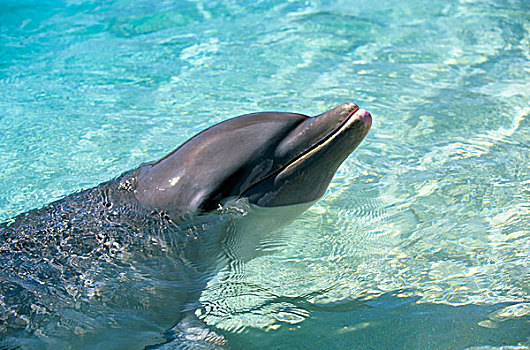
[(364, 116)]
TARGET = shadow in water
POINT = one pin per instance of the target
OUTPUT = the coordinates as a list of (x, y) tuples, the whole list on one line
[(391, 322)]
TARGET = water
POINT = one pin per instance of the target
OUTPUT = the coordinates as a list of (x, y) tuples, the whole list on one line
[(422, 240)]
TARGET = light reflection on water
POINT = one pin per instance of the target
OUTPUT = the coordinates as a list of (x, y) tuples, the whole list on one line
[(432, 209)]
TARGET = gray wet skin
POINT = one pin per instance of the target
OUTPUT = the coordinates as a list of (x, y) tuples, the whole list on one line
[(271, 158), (92, 257)]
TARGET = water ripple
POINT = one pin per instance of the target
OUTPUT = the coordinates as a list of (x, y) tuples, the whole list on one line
[(433, 206)]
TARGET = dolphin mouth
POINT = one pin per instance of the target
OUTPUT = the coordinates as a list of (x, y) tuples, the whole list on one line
[(337, 129), (354, 116)]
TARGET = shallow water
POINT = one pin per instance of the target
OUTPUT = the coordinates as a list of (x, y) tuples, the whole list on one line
[(422, 240)]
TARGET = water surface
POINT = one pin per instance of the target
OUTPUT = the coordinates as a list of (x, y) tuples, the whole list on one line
[(422, 240)]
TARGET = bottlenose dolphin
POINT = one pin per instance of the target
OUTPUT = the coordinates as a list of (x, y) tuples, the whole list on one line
[(118, 265)]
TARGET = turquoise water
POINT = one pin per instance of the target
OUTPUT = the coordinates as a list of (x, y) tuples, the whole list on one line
[(422, 240)]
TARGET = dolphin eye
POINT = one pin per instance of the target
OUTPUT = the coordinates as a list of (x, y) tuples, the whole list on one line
[(256, 174)]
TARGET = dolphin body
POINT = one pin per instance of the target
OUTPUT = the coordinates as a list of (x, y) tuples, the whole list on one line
[(122, 265)]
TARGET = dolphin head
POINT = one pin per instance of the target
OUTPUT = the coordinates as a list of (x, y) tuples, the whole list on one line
[(273, 159)]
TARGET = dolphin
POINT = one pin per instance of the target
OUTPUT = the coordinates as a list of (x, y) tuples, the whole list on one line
[(126, 259)]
